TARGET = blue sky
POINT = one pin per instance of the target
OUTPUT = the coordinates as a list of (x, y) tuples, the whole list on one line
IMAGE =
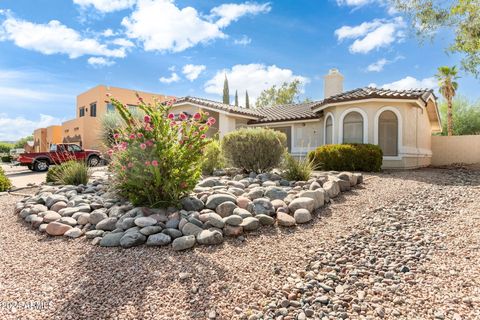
[(52, 50)]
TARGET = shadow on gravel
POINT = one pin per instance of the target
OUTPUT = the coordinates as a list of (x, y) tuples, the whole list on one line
[(137, 283)]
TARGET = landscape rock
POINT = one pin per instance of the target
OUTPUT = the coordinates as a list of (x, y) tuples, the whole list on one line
[(210, 237), (132, 239), (158, 239), (285, 220), (145, 221), (250, 224), (73, 233), (111, 239), (226, 208), (302, 203), (183, 243), (57, 228), (302, 216), (215, 200)]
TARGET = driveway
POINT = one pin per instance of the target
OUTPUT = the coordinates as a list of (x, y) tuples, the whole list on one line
[(22, 177)]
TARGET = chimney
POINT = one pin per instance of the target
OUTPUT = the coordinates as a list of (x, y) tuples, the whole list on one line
[(333, 83)]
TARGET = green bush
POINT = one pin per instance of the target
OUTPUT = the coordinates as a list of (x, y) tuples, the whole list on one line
[(112, 123), (297, 170), (5, 183), (7, 158), (348, 157), (212, 157), (158, 160), (254, 149), (70, 172)]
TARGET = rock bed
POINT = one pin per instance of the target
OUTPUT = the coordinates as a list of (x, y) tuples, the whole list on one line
[(219, 207), (378, 270)]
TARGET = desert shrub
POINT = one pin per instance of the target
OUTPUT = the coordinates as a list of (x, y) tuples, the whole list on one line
[(70, 172), (352, 157), (254, 149), (5, 183), (5, 147), (297, 169), (158, 160), (7, 158), (212, 157), (112, 123)]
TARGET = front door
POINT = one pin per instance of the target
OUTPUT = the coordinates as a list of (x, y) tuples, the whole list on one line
[(288, 133)]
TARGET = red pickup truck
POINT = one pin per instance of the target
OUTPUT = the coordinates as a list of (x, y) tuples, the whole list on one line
[(59, 153)]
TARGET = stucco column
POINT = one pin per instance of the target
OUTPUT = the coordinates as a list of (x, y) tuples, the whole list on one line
[(226, 124)]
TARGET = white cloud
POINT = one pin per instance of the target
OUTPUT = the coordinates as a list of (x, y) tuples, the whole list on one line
[(252, 77), (360, 3), (243, 41), (100, 62), (162, 26), (380, 64), (173, 78), (125, 43), (372, 35), (108, 33), (106, 6), (192, 71), (14, 128), (230, 12), (410, 82), (54, 38)]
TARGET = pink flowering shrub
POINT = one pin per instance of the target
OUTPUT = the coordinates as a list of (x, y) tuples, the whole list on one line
[(157, 160)]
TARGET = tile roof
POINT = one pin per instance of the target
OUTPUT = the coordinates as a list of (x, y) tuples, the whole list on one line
[(378, 93), (288, 112), (218, 105)]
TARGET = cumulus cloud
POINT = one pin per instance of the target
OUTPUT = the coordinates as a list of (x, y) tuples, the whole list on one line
[(360, 3), (173, 78), (100, 62), (182, 28), (243, 41), (378, 65), (105, 6), (54, 38), (252, 77), (372, 35), (192, 71), (410, 82), (14, 128)]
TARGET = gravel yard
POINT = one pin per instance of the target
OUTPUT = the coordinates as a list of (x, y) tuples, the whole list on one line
[(424, 222)]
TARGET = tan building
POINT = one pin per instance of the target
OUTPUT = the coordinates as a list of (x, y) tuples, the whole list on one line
[(85, 128)]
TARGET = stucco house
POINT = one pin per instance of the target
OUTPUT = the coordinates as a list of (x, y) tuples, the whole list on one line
[(400, 122)]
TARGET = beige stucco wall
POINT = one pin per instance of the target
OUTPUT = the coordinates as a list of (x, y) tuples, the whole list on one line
[(455, 149), (53, 135)]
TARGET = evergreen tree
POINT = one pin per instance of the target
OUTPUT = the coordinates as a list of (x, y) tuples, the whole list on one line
[(236, 98), (226, 92), (247, 101)]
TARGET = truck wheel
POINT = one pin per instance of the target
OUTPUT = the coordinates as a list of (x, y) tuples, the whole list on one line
[(40, 165), (93, 161), (30, 167)]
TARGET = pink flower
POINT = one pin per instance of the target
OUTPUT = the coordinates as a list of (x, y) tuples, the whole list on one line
[(181, 142), (147, 118), (116, 136), (124, 168), (147, 163), (203, 136), (130, 164), (211, 121), (155, 163), (183, 184), (197, 116), (143, 146), (149, 143), (132, 136), (183, 116), (195, 133), (206, 113), (110, 152), (148, 127), (171, 116), (173, 124), (202, 128)]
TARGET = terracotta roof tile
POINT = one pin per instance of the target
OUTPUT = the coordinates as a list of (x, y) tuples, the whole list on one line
[(218, 105)]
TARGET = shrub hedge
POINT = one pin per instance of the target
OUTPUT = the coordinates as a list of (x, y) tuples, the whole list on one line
[(5, 183), (254, 149), (347, 157), (212, 157)]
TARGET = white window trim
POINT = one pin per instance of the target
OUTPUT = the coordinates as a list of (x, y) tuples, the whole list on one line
[(329, 114), (399, 133), (365, 124)]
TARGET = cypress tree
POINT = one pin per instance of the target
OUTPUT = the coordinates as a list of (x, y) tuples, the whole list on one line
[(226, 92), (236, 98), (247, 101)]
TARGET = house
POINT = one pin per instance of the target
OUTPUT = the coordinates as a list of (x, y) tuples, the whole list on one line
[(400, 122)]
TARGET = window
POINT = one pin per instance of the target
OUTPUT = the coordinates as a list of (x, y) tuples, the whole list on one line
[(82, 112), (93, 109), (353, 128), (73, 148), (110, 107), (329, 130), (388, 133)]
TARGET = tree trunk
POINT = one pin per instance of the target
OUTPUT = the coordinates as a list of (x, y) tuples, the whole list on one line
[(449, 117)]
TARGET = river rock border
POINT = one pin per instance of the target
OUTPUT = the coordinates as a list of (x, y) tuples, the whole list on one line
[(219, 207)]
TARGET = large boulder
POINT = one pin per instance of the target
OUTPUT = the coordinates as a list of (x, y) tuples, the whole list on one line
[(145, 222), (215, 200), (192, 204), (302, 203), (332, 188), (183, 243), (54, 198), (190, 229), (210, 237), (108, 224), (111, 239), (97, 215), (147, 231), (57, 228), (317, 195)]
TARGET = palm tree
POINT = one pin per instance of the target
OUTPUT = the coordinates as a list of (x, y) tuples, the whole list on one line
[(448, 86)]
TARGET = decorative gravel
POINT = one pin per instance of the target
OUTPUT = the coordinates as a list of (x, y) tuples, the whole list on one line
[(408, 240)]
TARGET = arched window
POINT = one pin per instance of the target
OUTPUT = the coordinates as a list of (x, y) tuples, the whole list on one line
[(329, 130), (353, 128), (388, 133)]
